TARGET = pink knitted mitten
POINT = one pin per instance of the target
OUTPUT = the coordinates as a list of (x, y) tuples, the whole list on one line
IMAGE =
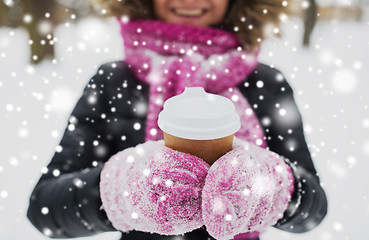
[(152, 188), (246, 190)]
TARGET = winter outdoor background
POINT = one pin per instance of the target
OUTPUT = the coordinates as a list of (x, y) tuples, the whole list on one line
[(330, 81)]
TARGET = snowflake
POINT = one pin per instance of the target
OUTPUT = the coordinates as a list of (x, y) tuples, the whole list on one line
[(259, 84), (78, 182), (169, 183), (101, 151), (47, 231), (130, 159), (134, 215), (58, 148), (228, 217), (344, 81), (137, 126), (146, 172), (13, 161), (91, 99), (246, 192), (4, 194), (56, 172), (44, 210), (27, 18), (153, 131)]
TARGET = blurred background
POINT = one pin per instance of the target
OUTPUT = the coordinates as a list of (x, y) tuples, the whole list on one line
[(49, 49)]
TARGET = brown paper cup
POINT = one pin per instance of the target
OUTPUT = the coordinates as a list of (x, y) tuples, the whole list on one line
[(208, 150)]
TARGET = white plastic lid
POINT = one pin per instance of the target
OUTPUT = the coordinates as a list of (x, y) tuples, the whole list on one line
[(198, 115)]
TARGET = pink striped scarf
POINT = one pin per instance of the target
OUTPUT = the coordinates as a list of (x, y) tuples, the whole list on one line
[(170, 57)]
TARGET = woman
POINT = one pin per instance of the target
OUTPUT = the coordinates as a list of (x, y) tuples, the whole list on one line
[(171, 44)]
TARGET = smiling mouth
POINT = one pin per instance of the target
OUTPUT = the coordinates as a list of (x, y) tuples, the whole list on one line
[(189, 12)]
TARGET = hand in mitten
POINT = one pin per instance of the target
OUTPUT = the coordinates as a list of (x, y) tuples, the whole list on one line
[(153, 188), (246, 190)]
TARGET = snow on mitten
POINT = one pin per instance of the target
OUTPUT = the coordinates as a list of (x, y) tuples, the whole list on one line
[(152, 188), (246, 190)]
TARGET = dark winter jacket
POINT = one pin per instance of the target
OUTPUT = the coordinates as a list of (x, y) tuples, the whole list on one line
[(111, 115)]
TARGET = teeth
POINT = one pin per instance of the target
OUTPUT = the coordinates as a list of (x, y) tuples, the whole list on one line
[(190, 13)]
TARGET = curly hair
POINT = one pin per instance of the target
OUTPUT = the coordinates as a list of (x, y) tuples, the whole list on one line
[(251, 20)]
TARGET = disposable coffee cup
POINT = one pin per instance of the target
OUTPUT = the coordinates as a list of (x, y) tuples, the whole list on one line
[(199, 123)]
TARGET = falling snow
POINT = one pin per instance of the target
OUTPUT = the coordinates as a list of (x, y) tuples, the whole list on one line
[(44, 210), (328, 79)]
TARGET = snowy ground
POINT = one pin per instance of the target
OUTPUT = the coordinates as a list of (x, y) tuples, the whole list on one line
[(330, 81)]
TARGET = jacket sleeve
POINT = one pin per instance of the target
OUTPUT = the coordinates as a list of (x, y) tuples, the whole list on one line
[(66, 201), (273, 102)]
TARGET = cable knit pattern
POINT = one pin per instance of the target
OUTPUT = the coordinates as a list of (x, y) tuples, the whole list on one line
[(152, 188), (246, 190)]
